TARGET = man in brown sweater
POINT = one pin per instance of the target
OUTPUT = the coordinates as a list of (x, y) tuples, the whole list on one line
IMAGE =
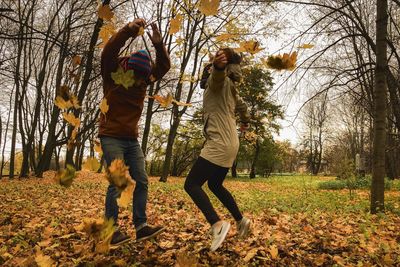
[(118, 130)]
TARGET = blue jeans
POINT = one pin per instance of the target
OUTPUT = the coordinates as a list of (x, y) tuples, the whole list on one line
[(131, 152)]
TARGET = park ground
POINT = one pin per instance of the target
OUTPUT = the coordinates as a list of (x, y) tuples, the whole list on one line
[(294, 224)]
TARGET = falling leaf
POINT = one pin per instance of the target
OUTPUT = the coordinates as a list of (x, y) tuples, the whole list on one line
[(74, 133), (251, 137), (126, 196), (91, 164), (306, 46), (62, 104), (124, 78), (104, 106), (181, 103), (97, 147), (71, 119), (101, 230), (75, 102), (66, 176), (104, 12), (106, 31), (282, 62), (209, 7), (251, 47), (164, 101), (141, 31), (76, 60), (251, 254), (273, 250), (116, 174), (175, 24), (224, 37), (43, 260)]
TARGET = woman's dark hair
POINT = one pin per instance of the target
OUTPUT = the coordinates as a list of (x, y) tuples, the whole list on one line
[(233, 57), (204, 76)]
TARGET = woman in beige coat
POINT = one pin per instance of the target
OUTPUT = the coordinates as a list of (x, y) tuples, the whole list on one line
[(220, 103)]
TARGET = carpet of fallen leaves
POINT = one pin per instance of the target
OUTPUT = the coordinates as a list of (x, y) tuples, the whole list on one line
[(294, 224)]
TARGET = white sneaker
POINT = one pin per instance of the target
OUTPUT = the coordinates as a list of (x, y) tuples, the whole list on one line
[(219, 230), (243, 227)]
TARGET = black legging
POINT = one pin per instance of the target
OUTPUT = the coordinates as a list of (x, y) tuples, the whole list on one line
[(203, 171)]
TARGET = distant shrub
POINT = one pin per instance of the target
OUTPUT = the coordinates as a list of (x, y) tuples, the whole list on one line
[(351, 184), (332, 185)]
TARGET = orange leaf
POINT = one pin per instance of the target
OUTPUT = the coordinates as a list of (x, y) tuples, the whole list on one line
[(209, 7), (105, 12), (175, 24)]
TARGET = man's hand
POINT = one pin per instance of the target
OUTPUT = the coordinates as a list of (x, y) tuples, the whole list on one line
[(136, 24), (220, 60), (244, 127), (156, 37)]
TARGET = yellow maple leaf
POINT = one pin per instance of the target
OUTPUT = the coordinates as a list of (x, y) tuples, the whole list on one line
[(106, 31), (126, 196), (104, 12), (116, 174), (251, 47), (124, 78), (71, 119), (141, 31), (104, 106), (209, 7), (62, 104), (91, 164), (306, 46), (76, 60), (175, 24), (65, 176), (282, 62)]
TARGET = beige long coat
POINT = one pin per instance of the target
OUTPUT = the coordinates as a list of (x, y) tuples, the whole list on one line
[(220, 102)]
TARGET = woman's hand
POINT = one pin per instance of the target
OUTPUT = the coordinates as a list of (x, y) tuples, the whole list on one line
[(156, 37), (220, 60)]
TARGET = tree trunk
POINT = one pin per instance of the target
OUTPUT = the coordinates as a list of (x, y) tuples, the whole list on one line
[(168, 152), (147, 125), (380, 110), (255, 159)]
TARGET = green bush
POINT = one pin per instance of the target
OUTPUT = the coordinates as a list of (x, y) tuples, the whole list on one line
[(351, 184)]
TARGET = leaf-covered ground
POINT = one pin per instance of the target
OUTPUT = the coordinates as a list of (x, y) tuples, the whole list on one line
[(294, 224)]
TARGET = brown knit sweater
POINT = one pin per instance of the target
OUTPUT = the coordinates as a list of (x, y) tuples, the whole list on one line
[(125, 106)]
